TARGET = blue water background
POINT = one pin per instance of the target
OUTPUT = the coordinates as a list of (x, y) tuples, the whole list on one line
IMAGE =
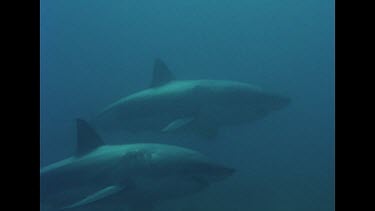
[(94, 52)]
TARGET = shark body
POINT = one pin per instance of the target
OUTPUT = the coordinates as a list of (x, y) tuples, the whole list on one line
[(136, 176), (198, 106)]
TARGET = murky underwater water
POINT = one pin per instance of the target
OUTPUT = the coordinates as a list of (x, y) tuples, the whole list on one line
[(95, 52)]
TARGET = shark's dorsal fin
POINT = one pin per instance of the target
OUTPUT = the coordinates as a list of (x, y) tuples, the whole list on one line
[(161, 74), (87, 138)]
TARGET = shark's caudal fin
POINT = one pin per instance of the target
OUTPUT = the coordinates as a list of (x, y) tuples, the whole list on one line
[(161, 74), (87, 138)]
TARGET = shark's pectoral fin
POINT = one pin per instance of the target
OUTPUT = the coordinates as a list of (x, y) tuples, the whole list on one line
[(178, 123), (99, 195)]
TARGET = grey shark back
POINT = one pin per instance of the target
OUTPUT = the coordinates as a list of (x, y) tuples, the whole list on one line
[(137, 176), (197, 106)]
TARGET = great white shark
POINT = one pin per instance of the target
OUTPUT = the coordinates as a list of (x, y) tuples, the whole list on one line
[(200, 106), (131, 176)]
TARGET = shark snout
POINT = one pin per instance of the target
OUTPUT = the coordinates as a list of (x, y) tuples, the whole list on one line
[(279, 102), (222, 170), (284, 101), (212, 171), (219, 172), (227, 171)]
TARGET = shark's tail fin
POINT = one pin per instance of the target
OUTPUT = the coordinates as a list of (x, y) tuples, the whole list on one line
[(87, 138)]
